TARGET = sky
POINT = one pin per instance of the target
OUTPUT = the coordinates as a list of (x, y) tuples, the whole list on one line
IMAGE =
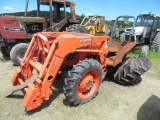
[(108, 8)]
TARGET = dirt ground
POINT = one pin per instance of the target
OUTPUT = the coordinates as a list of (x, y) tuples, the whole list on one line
[(114, 102)]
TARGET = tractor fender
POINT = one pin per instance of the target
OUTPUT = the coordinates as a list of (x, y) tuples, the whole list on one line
[(121, 54)]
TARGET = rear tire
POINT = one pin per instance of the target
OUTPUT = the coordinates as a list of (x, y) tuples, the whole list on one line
[(17, 53), (83, 81), (130, 72), (156, 42), (5, 50), (77, 28)]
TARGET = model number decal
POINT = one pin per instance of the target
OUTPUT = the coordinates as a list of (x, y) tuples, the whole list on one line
[(86, 40), (55, 64)]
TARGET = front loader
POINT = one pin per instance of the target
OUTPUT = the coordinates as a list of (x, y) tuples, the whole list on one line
[(87, 58)]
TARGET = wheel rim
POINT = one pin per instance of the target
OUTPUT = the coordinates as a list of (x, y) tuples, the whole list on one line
[(21, 54), (88, 84)]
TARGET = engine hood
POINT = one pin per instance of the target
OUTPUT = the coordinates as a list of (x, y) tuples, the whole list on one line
[(11, 19), (137, 30), (32, 19)]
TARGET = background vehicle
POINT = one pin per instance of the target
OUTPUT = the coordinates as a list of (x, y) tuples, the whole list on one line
[(16, 32), (94, 25), (84, 57), (121, 26), (147, 30)]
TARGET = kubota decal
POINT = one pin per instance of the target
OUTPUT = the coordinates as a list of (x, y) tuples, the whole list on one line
[(86, 40)]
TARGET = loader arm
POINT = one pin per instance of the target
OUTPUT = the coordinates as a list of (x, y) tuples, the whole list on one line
[(46, 54)]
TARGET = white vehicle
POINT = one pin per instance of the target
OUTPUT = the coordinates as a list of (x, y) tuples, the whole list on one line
[(146, 30)]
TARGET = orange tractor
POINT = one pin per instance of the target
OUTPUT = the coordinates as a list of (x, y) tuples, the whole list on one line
[(89, 58)]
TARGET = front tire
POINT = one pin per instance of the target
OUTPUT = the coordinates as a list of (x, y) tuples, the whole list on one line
[(122, 38), (77, 28), (83, 81), (17, 53)]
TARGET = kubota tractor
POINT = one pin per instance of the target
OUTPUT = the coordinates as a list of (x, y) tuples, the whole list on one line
[(84, 56), (94, 25), (147, 31), (16, 31)]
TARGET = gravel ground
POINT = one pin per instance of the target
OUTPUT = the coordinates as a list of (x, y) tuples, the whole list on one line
[(114, 102)]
